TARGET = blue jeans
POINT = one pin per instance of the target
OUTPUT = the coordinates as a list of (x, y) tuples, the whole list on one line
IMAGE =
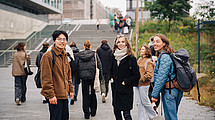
[(171, 103), (60, 110), (75, 85)]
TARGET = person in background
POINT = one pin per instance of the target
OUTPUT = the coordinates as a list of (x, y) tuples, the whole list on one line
[(18, 72), (164, 70), (56, 78), (75, 73), (87, 70), (111, 23), (128, 21), (146, 68), (38, 59), (104, 52), (98, 24), (125, 74)]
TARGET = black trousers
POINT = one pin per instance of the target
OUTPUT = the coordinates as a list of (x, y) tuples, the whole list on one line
[(89, 98), (20, 87), (107, 79), (59, 111), (126, 114)]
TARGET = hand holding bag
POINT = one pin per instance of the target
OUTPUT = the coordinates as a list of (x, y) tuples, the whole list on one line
[(27, 68), (96, 81)]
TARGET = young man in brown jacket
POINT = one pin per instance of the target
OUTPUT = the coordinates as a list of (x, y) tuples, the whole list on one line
[(56, 78)]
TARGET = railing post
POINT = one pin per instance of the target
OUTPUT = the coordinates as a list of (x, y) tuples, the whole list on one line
[(198, 46)]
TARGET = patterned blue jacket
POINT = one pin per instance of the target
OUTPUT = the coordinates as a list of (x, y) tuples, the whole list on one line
[(166, 68)]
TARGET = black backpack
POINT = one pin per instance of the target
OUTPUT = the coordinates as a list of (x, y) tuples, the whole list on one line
[(37, 76), (185, 76)]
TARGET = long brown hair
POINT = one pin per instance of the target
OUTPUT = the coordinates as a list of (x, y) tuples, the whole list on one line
[(20, 46), (147, 51), (129, 50), (167, 48), (87, 44)]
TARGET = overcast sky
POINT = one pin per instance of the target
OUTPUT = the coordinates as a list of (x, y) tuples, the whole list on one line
[(121, 4)]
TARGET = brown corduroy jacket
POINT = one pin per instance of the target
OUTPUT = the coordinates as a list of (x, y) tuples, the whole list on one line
[(145, 75), (56, 80)]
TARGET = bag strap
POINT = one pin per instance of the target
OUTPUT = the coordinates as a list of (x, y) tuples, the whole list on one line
[(146, 63), (54, 57), (95, 59)]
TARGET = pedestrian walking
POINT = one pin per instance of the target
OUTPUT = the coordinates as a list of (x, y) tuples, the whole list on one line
[(111, 23), (19, 59), (125, 74), (75, 72), (87, 70), (98, 24), (104, 53), (38, 59), (164, 70), (56, 77), (146, 68), (116, 26), (128, 21)]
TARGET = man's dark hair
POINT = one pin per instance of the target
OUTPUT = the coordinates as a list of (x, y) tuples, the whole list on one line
[(57, 33), (104, 41)]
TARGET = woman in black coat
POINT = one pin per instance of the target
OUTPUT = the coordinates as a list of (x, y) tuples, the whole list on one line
[(125, 74)]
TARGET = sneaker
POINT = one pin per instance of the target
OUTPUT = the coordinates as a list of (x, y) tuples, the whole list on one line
[(18, 102), (155, 117), (103, 98), (75, 98)]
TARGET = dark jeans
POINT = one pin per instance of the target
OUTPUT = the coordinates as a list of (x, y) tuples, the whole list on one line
[(76, 86), (20, 87), (89, 97), (126, 114), (60, 110), (107, 79)]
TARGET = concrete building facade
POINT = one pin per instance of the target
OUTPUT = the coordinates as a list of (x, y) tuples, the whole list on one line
[(131, 6), (19, 18), (81, 10)]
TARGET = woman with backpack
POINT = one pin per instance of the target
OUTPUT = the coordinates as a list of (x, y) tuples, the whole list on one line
[(125, 74), (146, 68), (87, 69), (163, 72)]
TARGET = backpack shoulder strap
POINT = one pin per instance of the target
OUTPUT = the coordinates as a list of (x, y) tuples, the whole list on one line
[(159, 58), (147, 63), (54, 57)]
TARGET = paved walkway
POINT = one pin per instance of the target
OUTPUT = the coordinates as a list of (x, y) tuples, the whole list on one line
[(34, 109)]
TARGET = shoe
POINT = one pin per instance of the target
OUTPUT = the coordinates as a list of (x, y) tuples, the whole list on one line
[(103, 98), (18, 102), (93, 115), (45, 101), (75, 98), (155, 108), (86, 116), (72, 102), (155, 117)]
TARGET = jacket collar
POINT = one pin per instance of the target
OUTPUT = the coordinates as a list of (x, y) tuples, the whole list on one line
[(57, 51)]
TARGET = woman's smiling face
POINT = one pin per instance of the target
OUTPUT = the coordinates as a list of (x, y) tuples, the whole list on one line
[(158, 44), (121, 43)]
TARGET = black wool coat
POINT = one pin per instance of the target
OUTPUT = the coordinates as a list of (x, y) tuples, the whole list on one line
[(127, 71)]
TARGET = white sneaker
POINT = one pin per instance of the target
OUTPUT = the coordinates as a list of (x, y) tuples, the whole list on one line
[(155, 117), (18, 102), (103, 98)]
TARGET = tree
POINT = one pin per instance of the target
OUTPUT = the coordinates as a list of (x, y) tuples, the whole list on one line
[(116, 11), (205, 10), (168, 10)]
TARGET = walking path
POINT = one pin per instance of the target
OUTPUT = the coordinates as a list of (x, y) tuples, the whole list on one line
[(34, 109)]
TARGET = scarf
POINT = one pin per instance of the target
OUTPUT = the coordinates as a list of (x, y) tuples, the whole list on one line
[(120, 54)]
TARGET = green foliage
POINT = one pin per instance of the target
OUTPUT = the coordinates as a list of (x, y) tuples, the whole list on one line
[(169, 10)]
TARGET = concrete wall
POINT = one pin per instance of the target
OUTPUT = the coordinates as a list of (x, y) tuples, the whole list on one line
[(16, 26)]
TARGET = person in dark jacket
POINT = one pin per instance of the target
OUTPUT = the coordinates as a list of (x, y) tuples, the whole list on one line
[(74, 70), (38, 59), (87, 70), (125, 74), (104, 53)]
